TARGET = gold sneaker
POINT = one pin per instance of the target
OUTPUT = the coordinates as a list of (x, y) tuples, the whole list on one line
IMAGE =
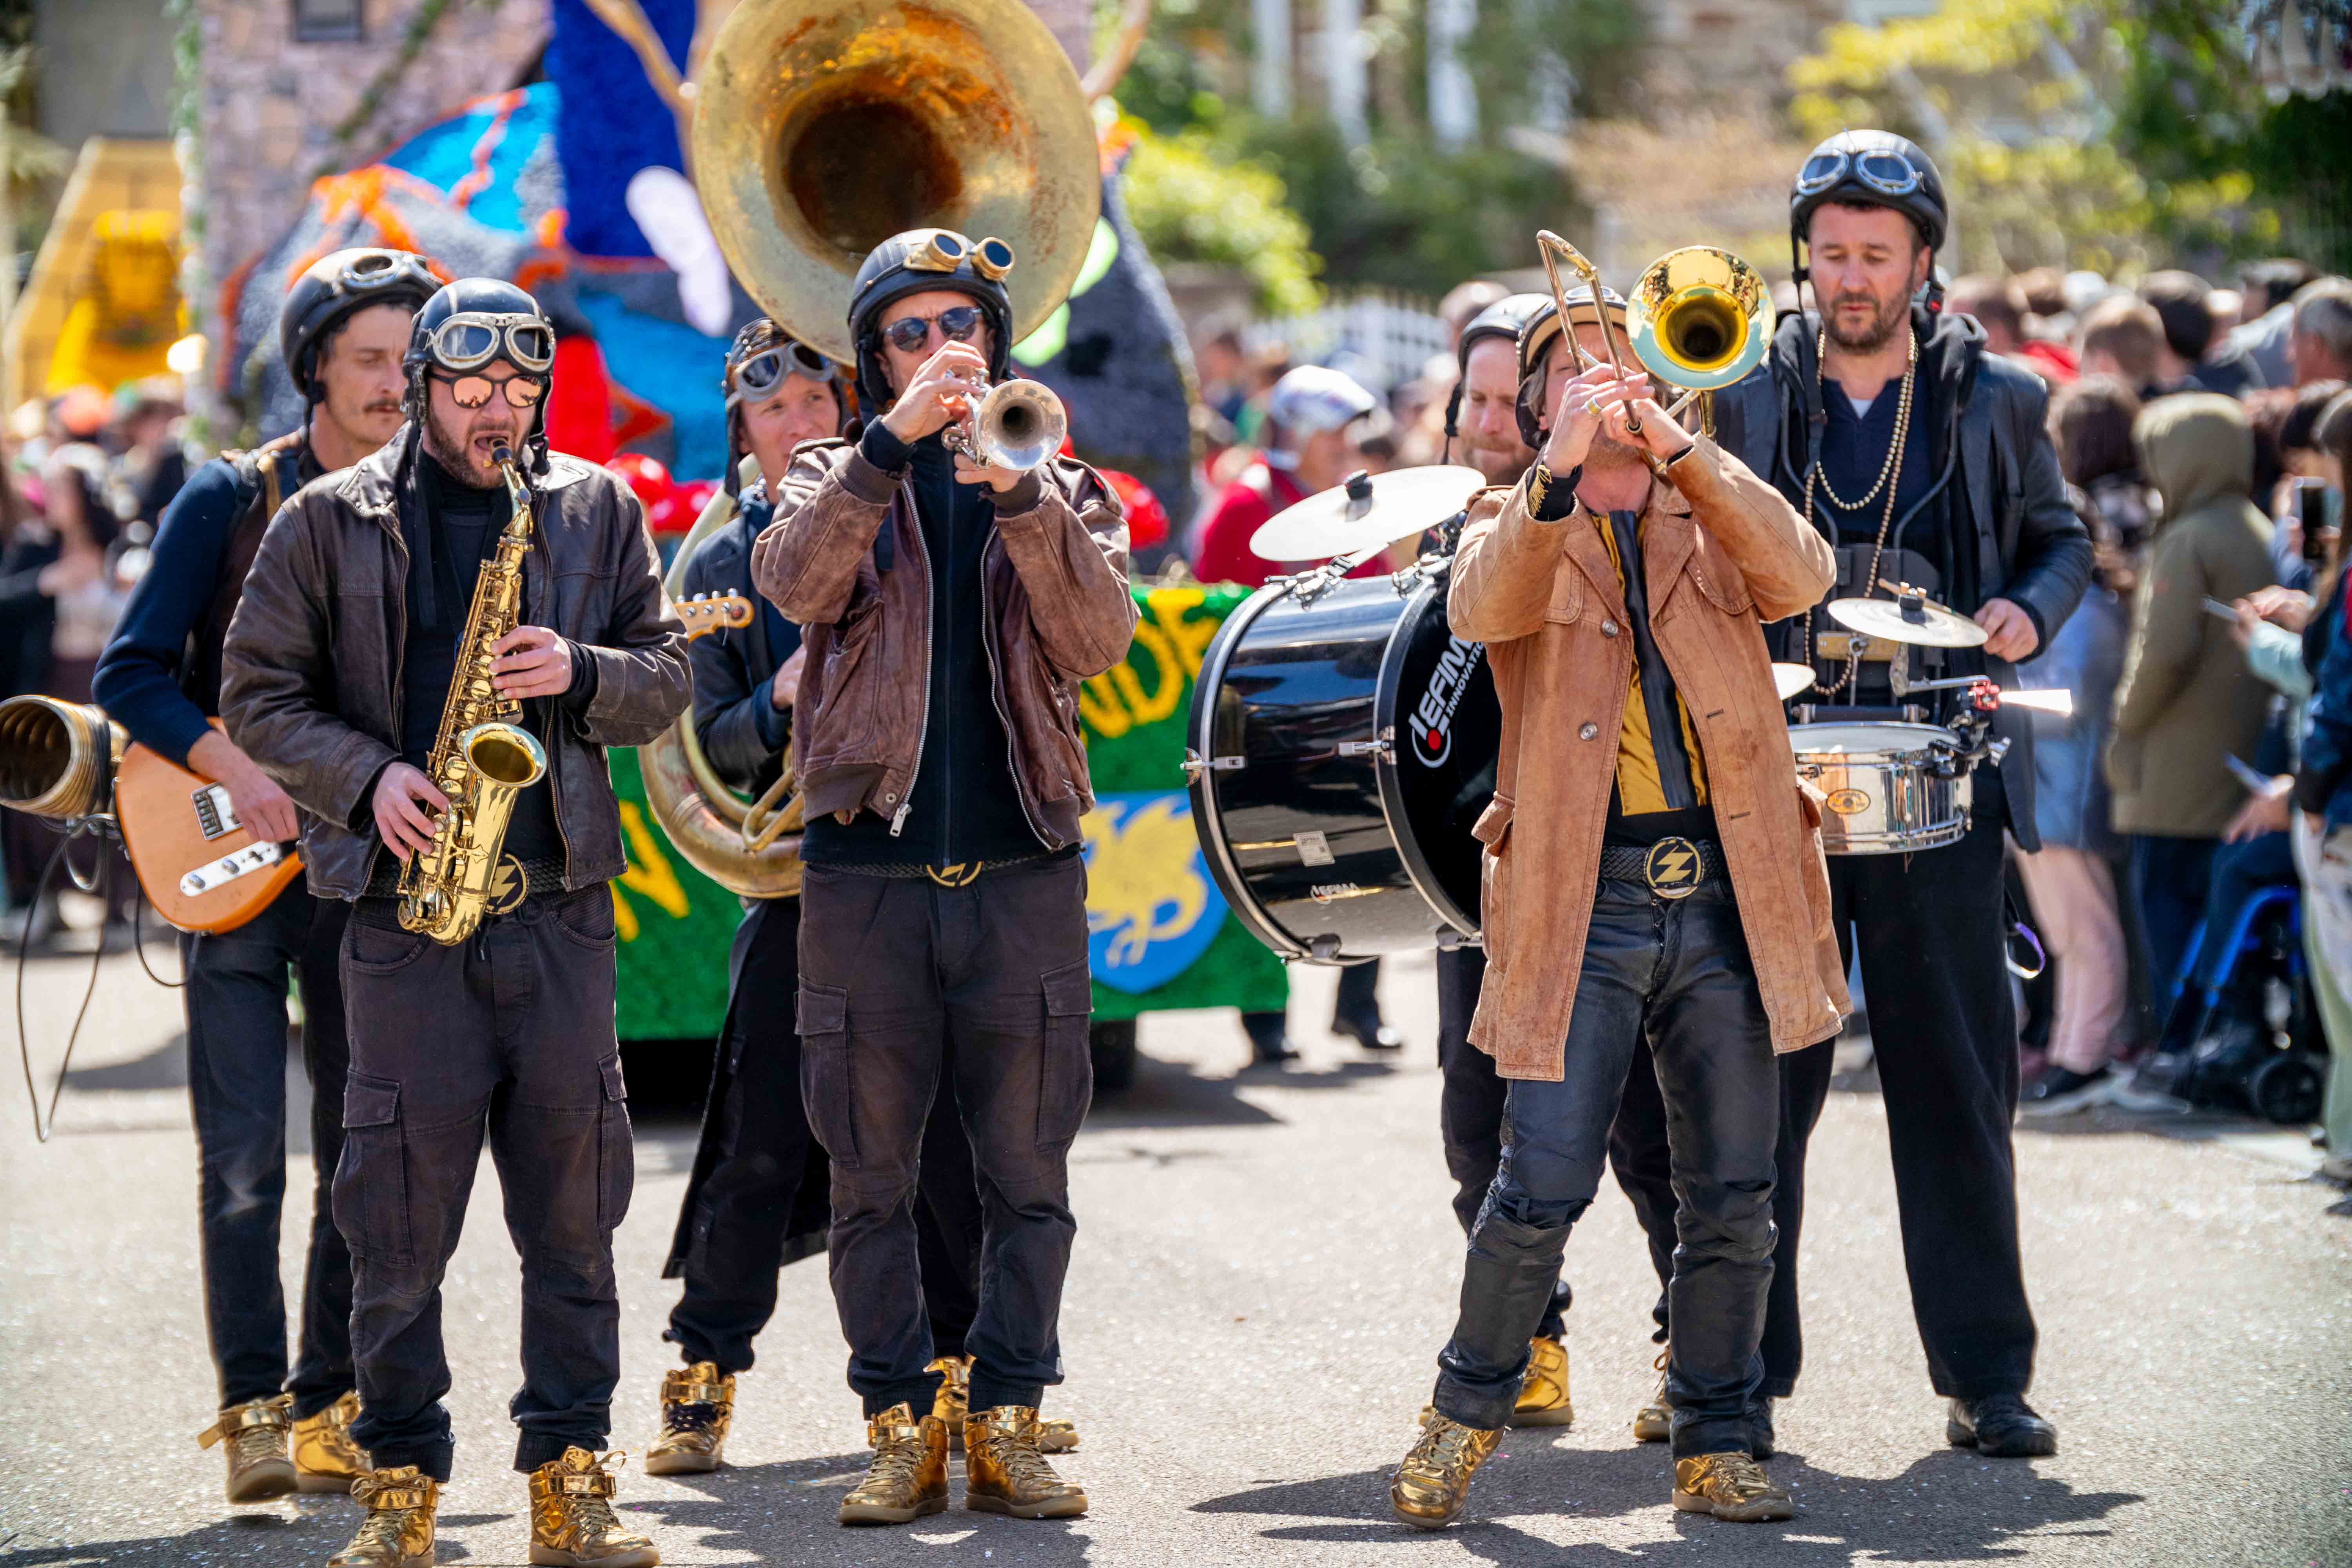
[(908, 1477), (254, 1437), (696, 1405), (953, 1401), (1430, 1488), (1730, 1485), (1004, 1472), (326, 1459), (1543, 1397), (571, 1521), (1654, 1422), (1057, 1436), (398, 1530)]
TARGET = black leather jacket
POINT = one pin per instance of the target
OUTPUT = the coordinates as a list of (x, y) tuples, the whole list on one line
[(1994, 471), (742, 734)]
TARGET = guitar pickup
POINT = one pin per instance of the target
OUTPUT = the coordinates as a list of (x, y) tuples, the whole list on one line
[(214, 814), (229, 868)]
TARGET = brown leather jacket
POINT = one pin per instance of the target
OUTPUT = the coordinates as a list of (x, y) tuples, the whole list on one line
[(1722, 553), (310, 679), (1055, 574)]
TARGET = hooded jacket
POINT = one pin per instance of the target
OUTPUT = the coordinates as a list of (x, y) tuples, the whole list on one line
[(2188, 699), (1994, 487)]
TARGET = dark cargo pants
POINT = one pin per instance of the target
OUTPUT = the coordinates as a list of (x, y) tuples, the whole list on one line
[(236, 1000), (509, 1032), (901, 979)]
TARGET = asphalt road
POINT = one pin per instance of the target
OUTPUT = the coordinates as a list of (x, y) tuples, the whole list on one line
[(1266, 1271)]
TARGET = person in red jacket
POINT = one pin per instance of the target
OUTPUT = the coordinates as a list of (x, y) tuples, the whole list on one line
[(1311, 445)]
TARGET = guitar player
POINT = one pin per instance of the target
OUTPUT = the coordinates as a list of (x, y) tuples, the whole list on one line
[(343, 329)]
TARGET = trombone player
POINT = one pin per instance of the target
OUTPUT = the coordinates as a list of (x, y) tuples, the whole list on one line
[(950, 604), (1650, 870)]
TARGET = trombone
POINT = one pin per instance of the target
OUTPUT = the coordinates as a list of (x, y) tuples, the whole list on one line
[(1697, 319)]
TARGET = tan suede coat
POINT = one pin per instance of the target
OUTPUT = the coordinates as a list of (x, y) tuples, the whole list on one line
[(1722, 553)]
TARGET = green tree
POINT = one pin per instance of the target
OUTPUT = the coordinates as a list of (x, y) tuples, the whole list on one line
[(1191, 201)]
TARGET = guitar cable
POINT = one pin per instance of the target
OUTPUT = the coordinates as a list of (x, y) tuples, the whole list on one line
[(100, 883)]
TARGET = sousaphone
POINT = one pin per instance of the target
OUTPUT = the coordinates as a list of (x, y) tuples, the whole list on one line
[(820, 128)]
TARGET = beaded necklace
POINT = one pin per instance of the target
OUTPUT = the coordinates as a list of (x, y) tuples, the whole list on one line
[(1887, 473)]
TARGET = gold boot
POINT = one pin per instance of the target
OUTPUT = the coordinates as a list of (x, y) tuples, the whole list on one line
[(254, 1434), (1004, 1473), (571, 1521), (1654, 1422), (1543, 1397), (1730, 1485), (696, 1405), (953, 1401), (1057, 1436), (326, 1459), (1430, 1488), (398, 1530), (908, 1477)]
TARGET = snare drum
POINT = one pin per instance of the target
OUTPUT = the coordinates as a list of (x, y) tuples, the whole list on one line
[(1887, 789)]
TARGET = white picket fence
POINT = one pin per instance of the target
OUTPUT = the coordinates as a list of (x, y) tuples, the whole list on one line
[(1378, 337)]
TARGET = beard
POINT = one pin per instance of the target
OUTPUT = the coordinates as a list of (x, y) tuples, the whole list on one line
[(1885, 317), (455, 456), (1607, 452), (1500, 465)]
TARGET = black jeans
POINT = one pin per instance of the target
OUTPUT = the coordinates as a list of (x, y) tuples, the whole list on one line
[(1677, 973), (1470, 1118), (1929, 930), (904, 981), (744, 1211), (237, 1088), (507, 1032)]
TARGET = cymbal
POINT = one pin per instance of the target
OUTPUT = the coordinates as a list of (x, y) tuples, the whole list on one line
[(1789, 679), (1367, 511), (1909, 618)]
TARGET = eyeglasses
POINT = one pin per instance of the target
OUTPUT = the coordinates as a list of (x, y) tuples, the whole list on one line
[(946, 250), (474, 391), (764, 371), (472, 339), (957, 323), (1887, 172), (374, 270)]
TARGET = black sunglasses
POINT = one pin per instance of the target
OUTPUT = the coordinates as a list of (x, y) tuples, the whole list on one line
[(957, 323)]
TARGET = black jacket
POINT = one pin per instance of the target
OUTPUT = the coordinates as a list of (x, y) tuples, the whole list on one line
[(742, 734), (1996, 488)]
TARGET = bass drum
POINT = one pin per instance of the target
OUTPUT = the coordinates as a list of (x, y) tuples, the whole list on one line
[(1342, 745)]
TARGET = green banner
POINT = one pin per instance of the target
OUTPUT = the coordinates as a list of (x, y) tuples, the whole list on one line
[(1161, 937)]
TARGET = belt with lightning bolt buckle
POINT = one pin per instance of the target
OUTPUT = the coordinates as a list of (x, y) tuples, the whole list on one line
[(1671, 868)]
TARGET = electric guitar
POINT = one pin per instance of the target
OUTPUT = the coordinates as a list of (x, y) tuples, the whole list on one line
[(201, 869)]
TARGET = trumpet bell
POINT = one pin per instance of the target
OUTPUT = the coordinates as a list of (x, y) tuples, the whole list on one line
[(1019, 424), (823, 127), (1699, 317)]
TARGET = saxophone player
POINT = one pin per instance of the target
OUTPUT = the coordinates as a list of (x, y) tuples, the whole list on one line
[(338, 670)]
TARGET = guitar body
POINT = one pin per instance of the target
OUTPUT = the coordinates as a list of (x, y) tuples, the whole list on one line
[(200, 868)]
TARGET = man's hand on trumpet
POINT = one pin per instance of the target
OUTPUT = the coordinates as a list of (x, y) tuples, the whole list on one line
[(940, 393)]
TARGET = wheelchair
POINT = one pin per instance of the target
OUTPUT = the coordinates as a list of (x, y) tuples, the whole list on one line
[(2253, 1037)]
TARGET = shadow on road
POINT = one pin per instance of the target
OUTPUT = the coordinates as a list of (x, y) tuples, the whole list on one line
[(165, 1066), (1949, 1507), (315, 1527), (785, 1512)]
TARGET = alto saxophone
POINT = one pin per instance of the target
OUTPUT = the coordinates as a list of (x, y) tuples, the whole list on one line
[(481, 759)]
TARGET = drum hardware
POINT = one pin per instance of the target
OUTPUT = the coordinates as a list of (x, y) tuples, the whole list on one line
[(1839, 647), (1384, 748), (1195, 764), (1909, 618)]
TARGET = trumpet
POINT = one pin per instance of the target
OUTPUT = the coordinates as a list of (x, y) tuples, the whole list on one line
[(1016, 425), (1697, 318)]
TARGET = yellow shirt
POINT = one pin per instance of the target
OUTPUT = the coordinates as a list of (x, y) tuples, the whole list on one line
[(1638, 789)]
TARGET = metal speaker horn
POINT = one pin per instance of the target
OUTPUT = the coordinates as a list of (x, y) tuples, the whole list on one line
[(823, 127), (58, 758), (1699, 317)]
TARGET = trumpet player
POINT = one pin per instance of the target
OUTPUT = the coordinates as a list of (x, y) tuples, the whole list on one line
[(348, 647), (950, 606)]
